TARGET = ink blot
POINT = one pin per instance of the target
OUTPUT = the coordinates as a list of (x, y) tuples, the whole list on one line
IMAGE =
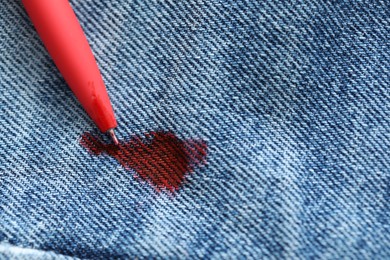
[(160, 158)]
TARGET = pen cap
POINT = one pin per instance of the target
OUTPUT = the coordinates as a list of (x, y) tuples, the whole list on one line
[(63, 37)]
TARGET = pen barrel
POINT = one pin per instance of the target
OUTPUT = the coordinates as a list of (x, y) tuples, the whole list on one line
[(64, 39)]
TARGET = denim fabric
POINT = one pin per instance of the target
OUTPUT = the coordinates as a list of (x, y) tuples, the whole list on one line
[(292, 98)]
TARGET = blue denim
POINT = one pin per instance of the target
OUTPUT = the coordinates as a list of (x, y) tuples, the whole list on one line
[(292, 98)]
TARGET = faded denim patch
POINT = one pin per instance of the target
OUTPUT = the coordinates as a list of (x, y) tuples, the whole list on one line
[(292, 98)]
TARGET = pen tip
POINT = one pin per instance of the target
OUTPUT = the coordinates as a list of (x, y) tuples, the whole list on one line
[(113, 136)]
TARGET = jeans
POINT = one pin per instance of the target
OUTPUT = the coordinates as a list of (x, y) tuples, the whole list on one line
[(286, 103)]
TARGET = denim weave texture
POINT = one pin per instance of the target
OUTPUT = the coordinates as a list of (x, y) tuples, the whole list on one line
[(292, 98)]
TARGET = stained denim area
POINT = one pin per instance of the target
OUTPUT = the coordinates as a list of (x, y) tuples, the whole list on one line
[(291, 97)]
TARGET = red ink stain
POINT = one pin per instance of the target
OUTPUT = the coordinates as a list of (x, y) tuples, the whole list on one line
[(160, 158)]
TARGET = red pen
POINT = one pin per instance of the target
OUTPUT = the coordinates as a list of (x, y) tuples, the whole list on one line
[(64, 39)]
